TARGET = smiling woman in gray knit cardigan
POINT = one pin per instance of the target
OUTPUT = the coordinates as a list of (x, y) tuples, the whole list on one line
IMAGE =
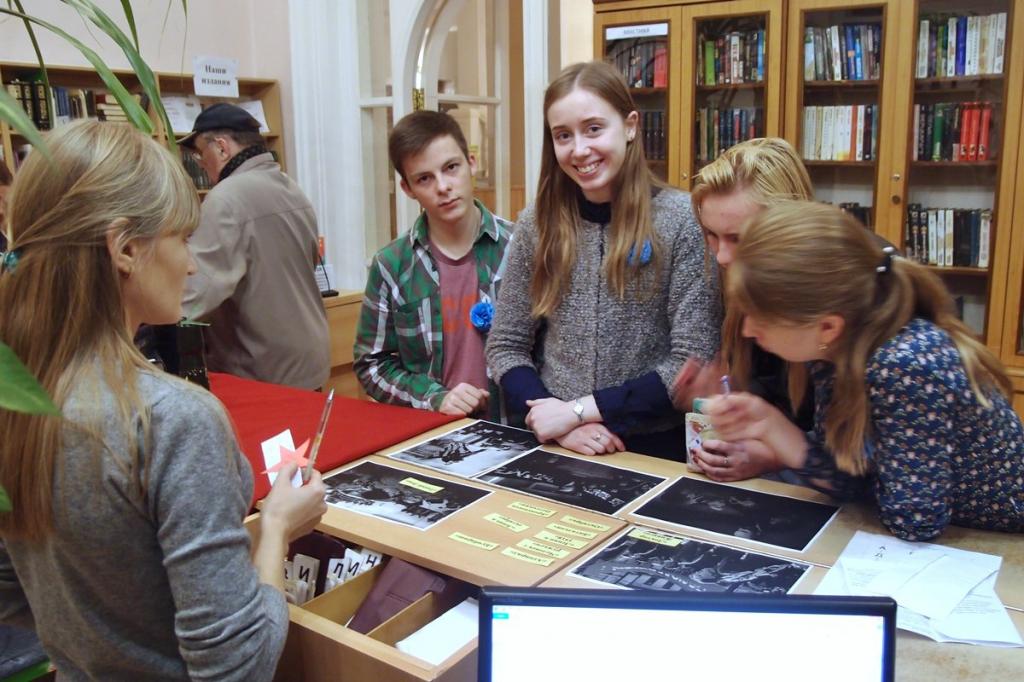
[(612, 263)]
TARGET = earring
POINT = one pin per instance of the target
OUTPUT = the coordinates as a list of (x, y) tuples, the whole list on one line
[(822, 347)]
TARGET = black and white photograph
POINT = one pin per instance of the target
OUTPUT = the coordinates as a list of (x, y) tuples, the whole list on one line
[(471, 449), (385, 492), (585, 483), (728, 510), (635, 563)]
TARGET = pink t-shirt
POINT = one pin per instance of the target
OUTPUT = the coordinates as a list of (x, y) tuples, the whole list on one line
[(463, 343)]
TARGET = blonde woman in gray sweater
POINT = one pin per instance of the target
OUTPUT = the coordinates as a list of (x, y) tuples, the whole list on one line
[(610, 263)]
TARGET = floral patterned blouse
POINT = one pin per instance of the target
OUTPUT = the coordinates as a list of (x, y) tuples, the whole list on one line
[(938, 456)]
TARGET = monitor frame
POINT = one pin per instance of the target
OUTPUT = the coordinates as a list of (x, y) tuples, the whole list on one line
[(883, 607)]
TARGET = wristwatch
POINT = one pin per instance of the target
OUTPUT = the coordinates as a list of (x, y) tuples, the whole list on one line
[(577, 409)]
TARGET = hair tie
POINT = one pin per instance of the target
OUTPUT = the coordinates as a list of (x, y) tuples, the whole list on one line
[(886, 266), (10, 261), (645, 253)]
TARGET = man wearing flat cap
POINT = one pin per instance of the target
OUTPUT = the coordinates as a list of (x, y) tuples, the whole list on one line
[(255, 251)]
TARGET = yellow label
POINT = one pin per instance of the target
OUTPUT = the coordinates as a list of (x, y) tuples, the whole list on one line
[(554, 539), (528, 558), (532, 509), (421, 485), (527, 543), (475, 542), (569, 530), (658, 538), (506, 522), (592, 525)]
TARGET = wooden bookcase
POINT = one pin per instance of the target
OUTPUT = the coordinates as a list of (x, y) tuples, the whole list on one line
[(266, 91), (991, 298)]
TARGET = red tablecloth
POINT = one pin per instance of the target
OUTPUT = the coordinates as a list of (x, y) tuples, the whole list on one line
[(356, 427)]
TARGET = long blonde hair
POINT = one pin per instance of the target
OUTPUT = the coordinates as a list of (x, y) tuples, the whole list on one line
[(768, 170), (800, 261), (62, 307), (557, 212)]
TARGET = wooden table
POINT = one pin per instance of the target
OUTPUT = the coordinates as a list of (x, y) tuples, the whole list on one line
[(917, 658)]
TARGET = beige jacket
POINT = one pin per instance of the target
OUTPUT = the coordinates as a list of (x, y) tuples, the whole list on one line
[(255, 250)]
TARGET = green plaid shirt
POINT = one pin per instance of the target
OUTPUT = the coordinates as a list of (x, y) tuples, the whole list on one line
[(399, 350)]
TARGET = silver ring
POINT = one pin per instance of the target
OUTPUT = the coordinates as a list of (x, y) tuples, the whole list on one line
[(598, 437), (727, 460)]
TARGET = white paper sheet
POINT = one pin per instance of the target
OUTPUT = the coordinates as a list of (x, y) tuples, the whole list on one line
[(181, 112), (272, 455), (938, 575), (439, 639), (255, 109)]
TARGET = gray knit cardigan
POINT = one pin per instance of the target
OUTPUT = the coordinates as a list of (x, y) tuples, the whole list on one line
[(595, 339)]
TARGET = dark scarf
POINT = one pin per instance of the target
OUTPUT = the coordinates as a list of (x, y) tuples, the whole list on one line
[(240, 158)]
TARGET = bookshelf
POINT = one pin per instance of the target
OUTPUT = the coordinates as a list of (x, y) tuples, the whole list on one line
[(83, 85), (900, 174), (644, 46)]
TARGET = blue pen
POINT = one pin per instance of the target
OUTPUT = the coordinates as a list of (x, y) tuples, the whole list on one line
[(725, 384)]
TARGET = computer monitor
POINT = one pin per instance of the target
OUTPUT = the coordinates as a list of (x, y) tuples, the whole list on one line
[(541, 634)]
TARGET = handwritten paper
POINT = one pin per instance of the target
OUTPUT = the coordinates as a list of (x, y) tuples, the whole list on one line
[(506, 522), (555, 539), (569, 530), (943, 593), (528, 558), (532, 509), (473, 542), (592, 525), (539, 548)]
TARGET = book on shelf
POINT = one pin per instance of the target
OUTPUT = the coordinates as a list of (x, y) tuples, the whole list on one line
[(642, 61), (952, 131), (652, 129), (730, 58), (948, 237), (857, 210), (840, 133), (951, 45), (719, 129), (66, 104), (842, 52)]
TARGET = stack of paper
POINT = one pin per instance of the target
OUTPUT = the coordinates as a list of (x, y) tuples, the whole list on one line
[(439, 639), (943, 593)]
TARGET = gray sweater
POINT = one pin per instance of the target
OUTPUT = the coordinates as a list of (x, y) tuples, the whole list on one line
[(595, 339), (154, 586)]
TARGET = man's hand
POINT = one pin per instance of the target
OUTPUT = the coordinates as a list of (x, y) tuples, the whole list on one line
[(592, 439), (464, 400)]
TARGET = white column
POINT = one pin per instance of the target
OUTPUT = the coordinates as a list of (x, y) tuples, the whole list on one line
[(537, 66), (328, 140)]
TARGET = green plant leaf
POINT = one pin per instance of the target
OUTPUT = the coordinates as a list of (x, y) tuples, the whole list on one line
[(35, 47), (14, 115), (147, 80), (135, 113), (130, 16), (5, 501), (19, 390)]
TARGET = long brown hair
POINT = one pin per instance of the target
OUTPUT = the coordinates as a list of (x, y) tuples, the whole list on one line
[(557, 211), (800, 261), (63, 311)]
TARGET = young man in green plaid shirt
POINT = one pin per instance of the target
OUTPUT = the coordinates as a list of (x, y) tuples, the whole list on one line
[(430, 293)]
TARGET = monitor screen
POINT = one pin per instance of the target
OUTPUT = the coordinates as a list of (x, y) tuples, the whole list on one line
[(540, 634)]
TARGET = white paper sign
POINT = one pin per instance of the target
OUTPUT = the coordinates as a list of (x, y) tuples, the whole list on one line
[(638, 31), (215, 76), (255, 109), (182, 112)]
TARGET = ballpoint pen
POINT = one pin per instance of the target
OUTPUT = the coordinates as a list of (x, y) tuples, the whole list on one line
[(725, 384), (307, 472)]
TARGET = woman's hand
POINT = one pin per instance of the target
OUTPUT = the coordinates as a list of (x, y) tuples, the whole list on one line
[(592, 439), (724, 461), (294, 512), (464, 400), (550, 418), (744, 416)]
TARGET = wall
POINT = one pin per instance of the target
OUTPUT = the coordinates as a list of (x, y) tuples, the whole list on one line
[(255, 32)]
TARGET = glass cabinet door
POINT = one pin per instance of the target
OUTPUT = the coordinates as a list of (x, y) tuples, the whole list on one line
[(955, 148), (640, 44), (841, 81), (731, 89)]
